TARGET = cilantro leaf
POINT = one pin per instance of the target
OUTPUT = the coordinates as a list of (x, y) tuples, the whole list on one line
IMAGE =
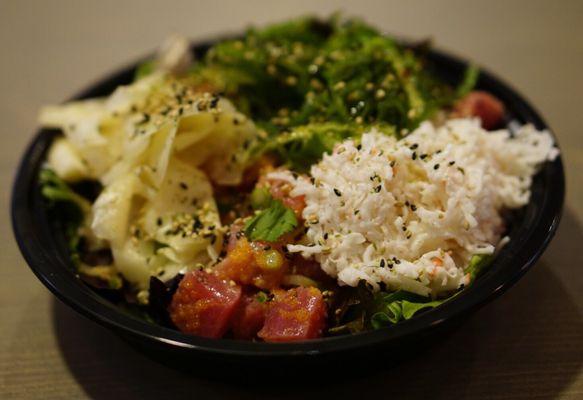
[(271, 223)]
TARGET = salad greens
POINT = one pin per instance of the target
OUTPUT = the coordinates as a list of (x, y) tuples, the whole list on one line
[(361, 308), (309, 71), (311, 83), (397, 306), (70, 207), (477, 264), (306, 144)]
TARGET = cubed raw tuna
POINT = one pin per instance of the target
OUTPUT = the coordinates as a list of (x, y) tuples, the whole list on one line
[(249, 318), (204, 304), (294, 315)]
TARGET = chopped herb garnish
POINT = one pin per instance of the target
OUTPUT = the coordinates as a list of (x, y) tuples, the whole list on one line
[(271, 223)]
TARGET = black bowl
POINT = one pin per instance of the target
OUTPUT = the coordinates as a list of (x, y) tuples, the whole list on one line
[(46, 253)]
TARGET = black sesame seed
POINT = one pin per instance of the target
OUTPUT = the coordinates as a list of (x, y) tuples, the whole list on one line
[(423, 156), (451, 162), (378, 189), (326, 236), (414, 146), (337, 192), (414, 156), (183, 185), (413, 207), (383, 263), (159, 221), (359, 147), (436, 166)]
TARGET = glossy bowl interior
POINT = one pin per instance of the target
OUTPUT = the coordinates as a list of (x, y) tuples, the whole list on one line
[(45, 251)]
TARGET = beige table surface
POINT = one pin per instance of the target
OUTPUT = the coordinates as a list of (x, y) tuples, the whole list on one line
[(527, 344)]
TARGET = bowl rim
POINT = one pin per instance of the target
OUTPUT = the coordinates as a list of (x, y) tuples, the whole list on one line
[(31, 231)]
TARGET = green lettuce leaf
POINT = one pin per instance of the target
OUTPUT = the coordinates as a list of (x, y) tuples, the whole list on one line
[(469, 81), (399, 306), (477, 264), (69, 208), (144, 69)]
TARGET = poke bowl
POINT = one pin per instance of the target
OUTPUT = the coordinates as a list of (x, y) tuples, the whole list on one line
[(155, 311)]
